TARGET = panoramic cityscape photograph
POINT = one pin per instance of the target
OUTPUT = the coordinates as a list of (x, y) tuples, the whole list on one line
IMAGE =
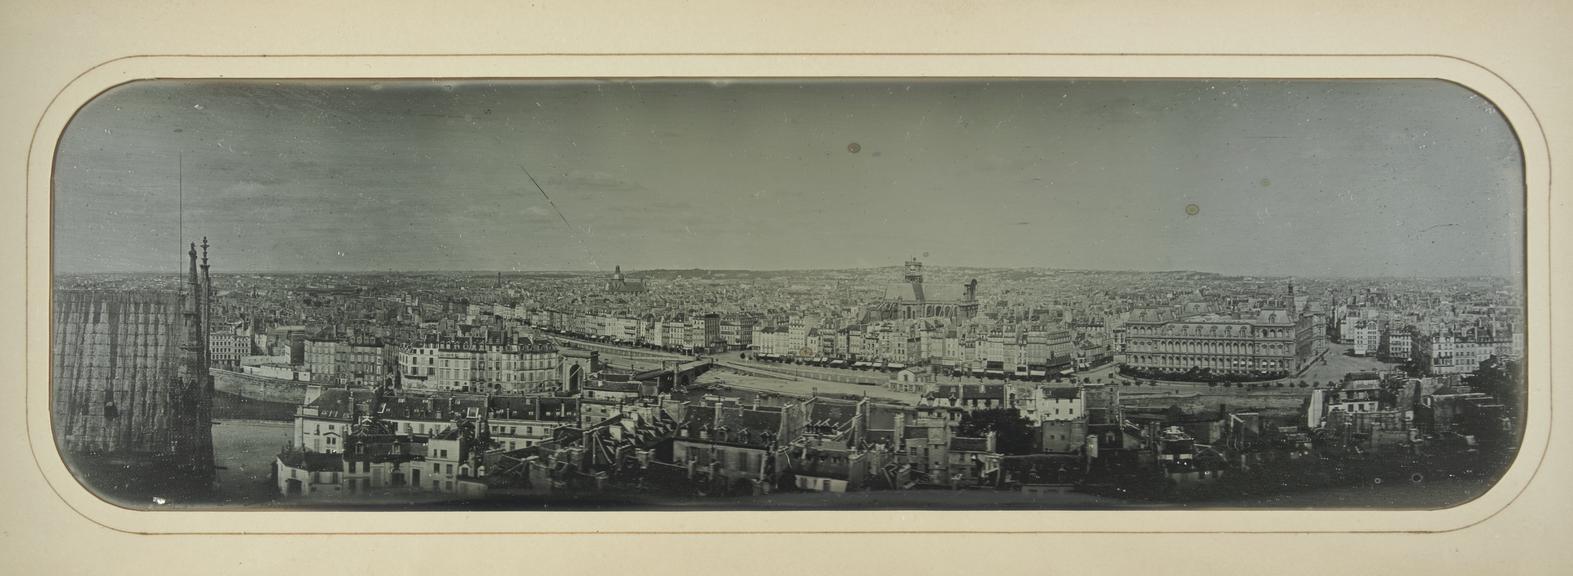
[(784, 294)]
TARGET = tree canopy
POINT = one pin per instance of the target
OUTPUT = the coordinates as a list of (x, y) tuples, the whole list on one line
[(1013, 434), (1503, 379)]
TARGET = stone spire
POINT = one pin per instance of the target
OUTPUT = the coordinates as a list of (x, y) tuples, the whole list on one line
[(193, 303), (207, 313), (192, 443)]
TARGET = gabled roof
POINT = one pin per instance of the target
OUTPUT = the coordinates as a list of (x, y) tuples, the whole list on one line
[(1152, 315)]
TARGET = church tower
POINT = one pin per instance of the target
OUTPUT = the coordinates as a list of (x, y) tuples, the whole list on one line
[(914, 277)]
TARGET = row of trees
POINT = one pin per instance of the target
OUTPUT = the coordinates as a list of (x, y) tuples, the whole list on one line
[(1277, 384), (1013, 434)]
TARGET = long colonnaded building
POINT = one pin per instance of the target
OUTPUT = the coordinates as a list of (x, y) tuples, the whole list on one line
[(1266, 342)]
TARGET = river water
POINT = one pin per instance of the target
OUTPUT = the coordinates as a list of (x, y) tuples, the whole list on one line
[(244, 451)]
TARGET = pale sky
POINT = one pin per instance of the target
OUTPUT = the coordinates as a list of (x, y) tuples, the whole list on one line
[(1305, 178)]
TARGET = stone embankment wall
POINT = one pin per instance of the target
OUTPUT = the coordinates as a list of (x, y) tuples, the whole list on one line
[(259, 388)]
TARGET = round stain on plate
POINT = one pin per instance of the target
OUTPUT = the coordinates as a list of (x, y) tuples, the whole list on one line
[(854, 147), (1192, 209)]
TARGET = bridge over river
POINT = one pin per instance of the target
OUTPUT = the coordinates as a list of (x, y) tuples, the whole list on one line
[(647, 365), (741, 374)]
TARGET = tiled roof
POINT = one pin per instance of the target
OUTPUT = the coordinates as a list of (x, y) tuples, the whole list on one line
[(735, 425), (337, 402), (1152, 315), (312, 461), (831, 411), (755, 421), (440, 408), (1063, 393), (883, 417)]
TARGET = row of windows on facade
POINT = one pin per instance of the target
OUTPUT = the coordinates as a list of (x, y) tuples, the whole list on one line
[(461, 374), (740, 459), (409, 427), (1359, 406), (514, 430), (1204, 348), (1205, 362), (542, 360), (1236, 331), (725, 435), (363, 483)]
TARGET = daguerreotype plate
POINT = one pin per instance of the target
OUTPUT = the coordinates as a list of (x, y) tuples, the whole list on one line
[(732, 293)]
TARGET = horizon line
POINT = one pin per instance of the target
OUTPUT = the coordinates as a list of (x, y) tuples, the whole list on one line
[(636, 273)]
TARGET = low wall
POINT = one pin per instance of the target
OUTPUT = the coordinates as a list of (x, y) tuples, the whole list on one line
[(228, 406), (251, 387), (792, 370)]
